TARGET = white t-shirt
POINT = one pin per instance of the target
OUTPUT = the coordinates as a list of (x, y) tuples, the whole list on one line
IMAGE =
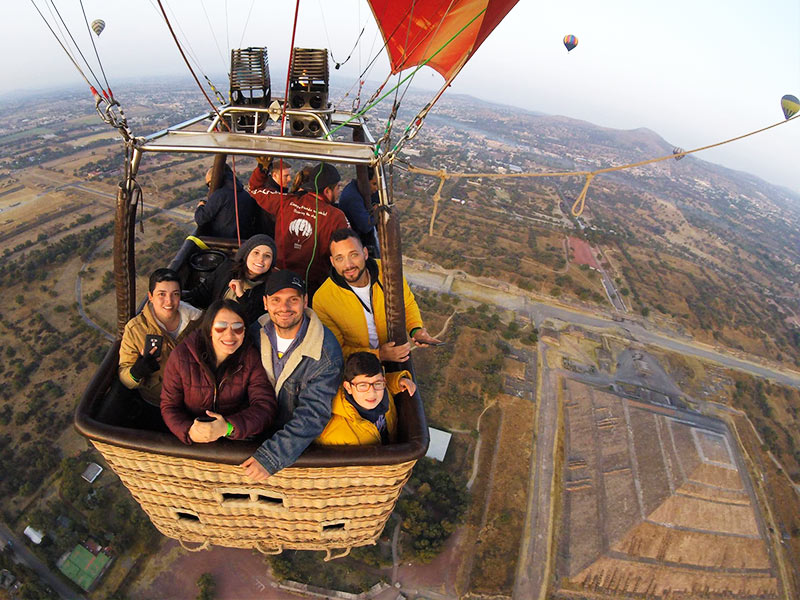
[(366, 301), (282, 345)]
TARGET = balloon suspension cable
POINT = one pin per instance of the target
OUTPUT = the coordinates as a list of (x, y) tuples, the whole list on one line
[(106, 114), (580, 201), (217, 94), (247, 22), (188, 45), (407, 77), (213, 34), (188, 66), (289, 70), (96, 54), (336, 64), (416, 123), (370, 64)]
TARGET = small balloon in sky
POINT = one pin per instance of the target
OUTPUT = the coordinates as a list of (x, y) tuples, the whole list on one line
[(679, 152), (570, 41), (790, 105), (98, 25)]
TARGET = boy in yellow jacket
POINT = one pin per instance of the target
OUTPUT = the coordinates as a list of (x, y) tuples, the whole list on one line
[(363, 410)]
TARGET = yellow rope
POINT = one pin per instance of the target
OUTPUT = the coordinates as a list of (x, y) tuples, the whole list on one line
[(578, 205)]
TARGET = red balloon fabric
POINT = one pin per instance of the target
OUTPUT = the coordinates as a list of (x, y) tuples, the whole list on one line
[(415, 31)]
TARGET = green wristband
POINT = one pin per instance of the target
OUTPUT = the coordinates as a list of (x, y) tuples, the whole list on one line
[(411, 333), (230, 429)]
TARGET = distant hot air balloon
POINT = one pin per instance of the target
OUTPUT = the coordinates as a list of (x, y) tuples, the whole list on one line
[(680, 151), (790, 105), (98, 25), (570, 41)]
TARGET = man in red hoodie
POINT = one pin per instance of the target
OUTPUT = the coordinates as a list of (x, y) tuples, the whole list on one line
[(304, 220)]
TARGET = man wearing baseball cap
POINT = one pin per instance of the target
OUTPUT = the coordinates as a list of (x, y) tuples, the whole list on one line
[(304, 219), (303, 362)]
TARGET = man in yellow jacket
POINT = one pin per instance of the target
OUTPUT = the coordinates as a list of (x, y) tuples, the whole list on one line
[(351, 303), (363, 411)]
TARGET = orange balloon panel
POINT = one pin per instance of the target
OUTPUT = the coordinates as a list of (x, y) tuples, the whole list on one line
[(417, 31)]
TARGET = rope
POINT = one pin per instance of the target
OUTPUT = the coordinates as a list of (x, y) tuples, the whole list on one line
[(236, 201), (578, 205), (316, 223), (289, 70), (188, 66)]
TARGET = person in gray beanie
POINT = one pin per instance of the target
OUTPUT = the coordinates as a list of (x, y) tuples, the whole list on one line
[(304, 220), (241, 279)]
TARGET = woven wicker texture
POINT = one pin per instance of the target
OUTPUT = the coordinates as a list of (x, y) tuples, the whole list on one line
[(207, 503)]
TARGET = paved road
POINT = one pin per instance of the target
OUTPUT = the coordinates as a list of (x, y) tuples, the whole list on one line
[(530, 582), (178, 215), (501, 294), (23, 555)]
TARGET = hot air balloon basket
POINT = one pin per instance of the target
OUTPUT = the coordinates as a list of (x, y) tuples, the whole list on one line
[(299, 508)]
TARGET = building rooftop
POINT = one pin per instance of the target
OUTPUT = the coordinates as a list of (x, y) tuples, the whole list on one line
[(440, 440), (92, 472)]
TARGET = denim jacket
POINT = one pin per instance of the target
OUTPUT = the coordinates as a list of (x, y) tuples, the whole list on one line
[(305, 390)]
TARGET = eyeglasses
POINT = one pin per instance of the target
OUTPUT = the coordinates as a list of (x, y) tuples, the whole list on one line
[(363, 386), (220, 326)]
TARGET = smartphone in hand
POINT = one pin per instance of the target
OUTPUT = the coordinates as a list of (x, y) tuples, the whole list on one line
[(204, 419), (153, 341)]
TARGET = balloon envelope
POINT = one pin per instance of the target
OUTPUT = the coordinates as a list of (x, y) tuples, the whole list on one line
[(570, 41), (790, 105), (98, 25), (442, 35)]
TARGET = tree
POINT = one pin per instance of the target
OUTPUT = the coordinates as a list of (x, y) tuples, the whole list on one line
[(207, 587)]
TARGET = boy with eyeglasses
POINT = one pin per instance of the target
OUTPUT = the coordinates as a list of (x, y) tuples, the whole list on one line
[(363, 411)]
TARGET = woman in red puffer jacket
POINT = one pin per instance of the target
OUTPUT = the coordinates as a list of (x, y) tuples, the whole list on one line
[(214, 383)]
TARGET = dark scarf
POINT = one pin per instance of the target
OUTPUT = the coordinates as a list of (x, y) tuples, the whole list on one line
[(376, 416)]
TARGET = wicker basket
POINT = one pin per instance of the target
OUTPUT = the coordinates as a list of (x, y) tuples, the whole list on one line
[(332, 499)]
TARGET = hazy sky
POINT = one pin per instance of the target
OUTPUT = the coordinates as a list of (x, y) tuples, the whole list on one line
[(694, 71)]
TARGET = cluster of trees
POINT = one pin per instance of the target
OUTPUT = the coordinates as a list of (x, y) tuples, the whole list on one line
[(31, 587), (345, 574), (26, 465), (109, 511), (782, 439), (37, 264), (436, 505)]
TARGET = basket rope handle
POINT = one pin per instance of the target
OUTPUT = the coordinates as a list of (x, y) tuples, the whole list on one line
[(203, 546), (329, 556), (260, 546)]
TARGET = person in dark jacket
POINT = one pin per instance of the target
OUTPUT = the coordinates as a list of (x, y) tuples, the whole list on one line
[(214, 385), (241, 279), (304, 220), (277, 178), (216, 217), (361, 218)]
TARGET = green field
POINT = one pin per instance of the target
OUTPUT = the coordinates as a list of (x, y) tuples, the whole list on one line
[(20, 135)]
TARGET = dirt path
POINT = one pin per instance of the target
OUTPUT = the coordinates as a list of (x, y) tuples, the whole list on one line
[(477, 453), (79, 300)]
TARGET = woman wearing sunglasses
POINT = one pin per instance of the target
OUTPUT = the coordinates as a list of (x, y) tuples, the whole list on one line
[(363, 411), (214, 384), (241, 279)]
